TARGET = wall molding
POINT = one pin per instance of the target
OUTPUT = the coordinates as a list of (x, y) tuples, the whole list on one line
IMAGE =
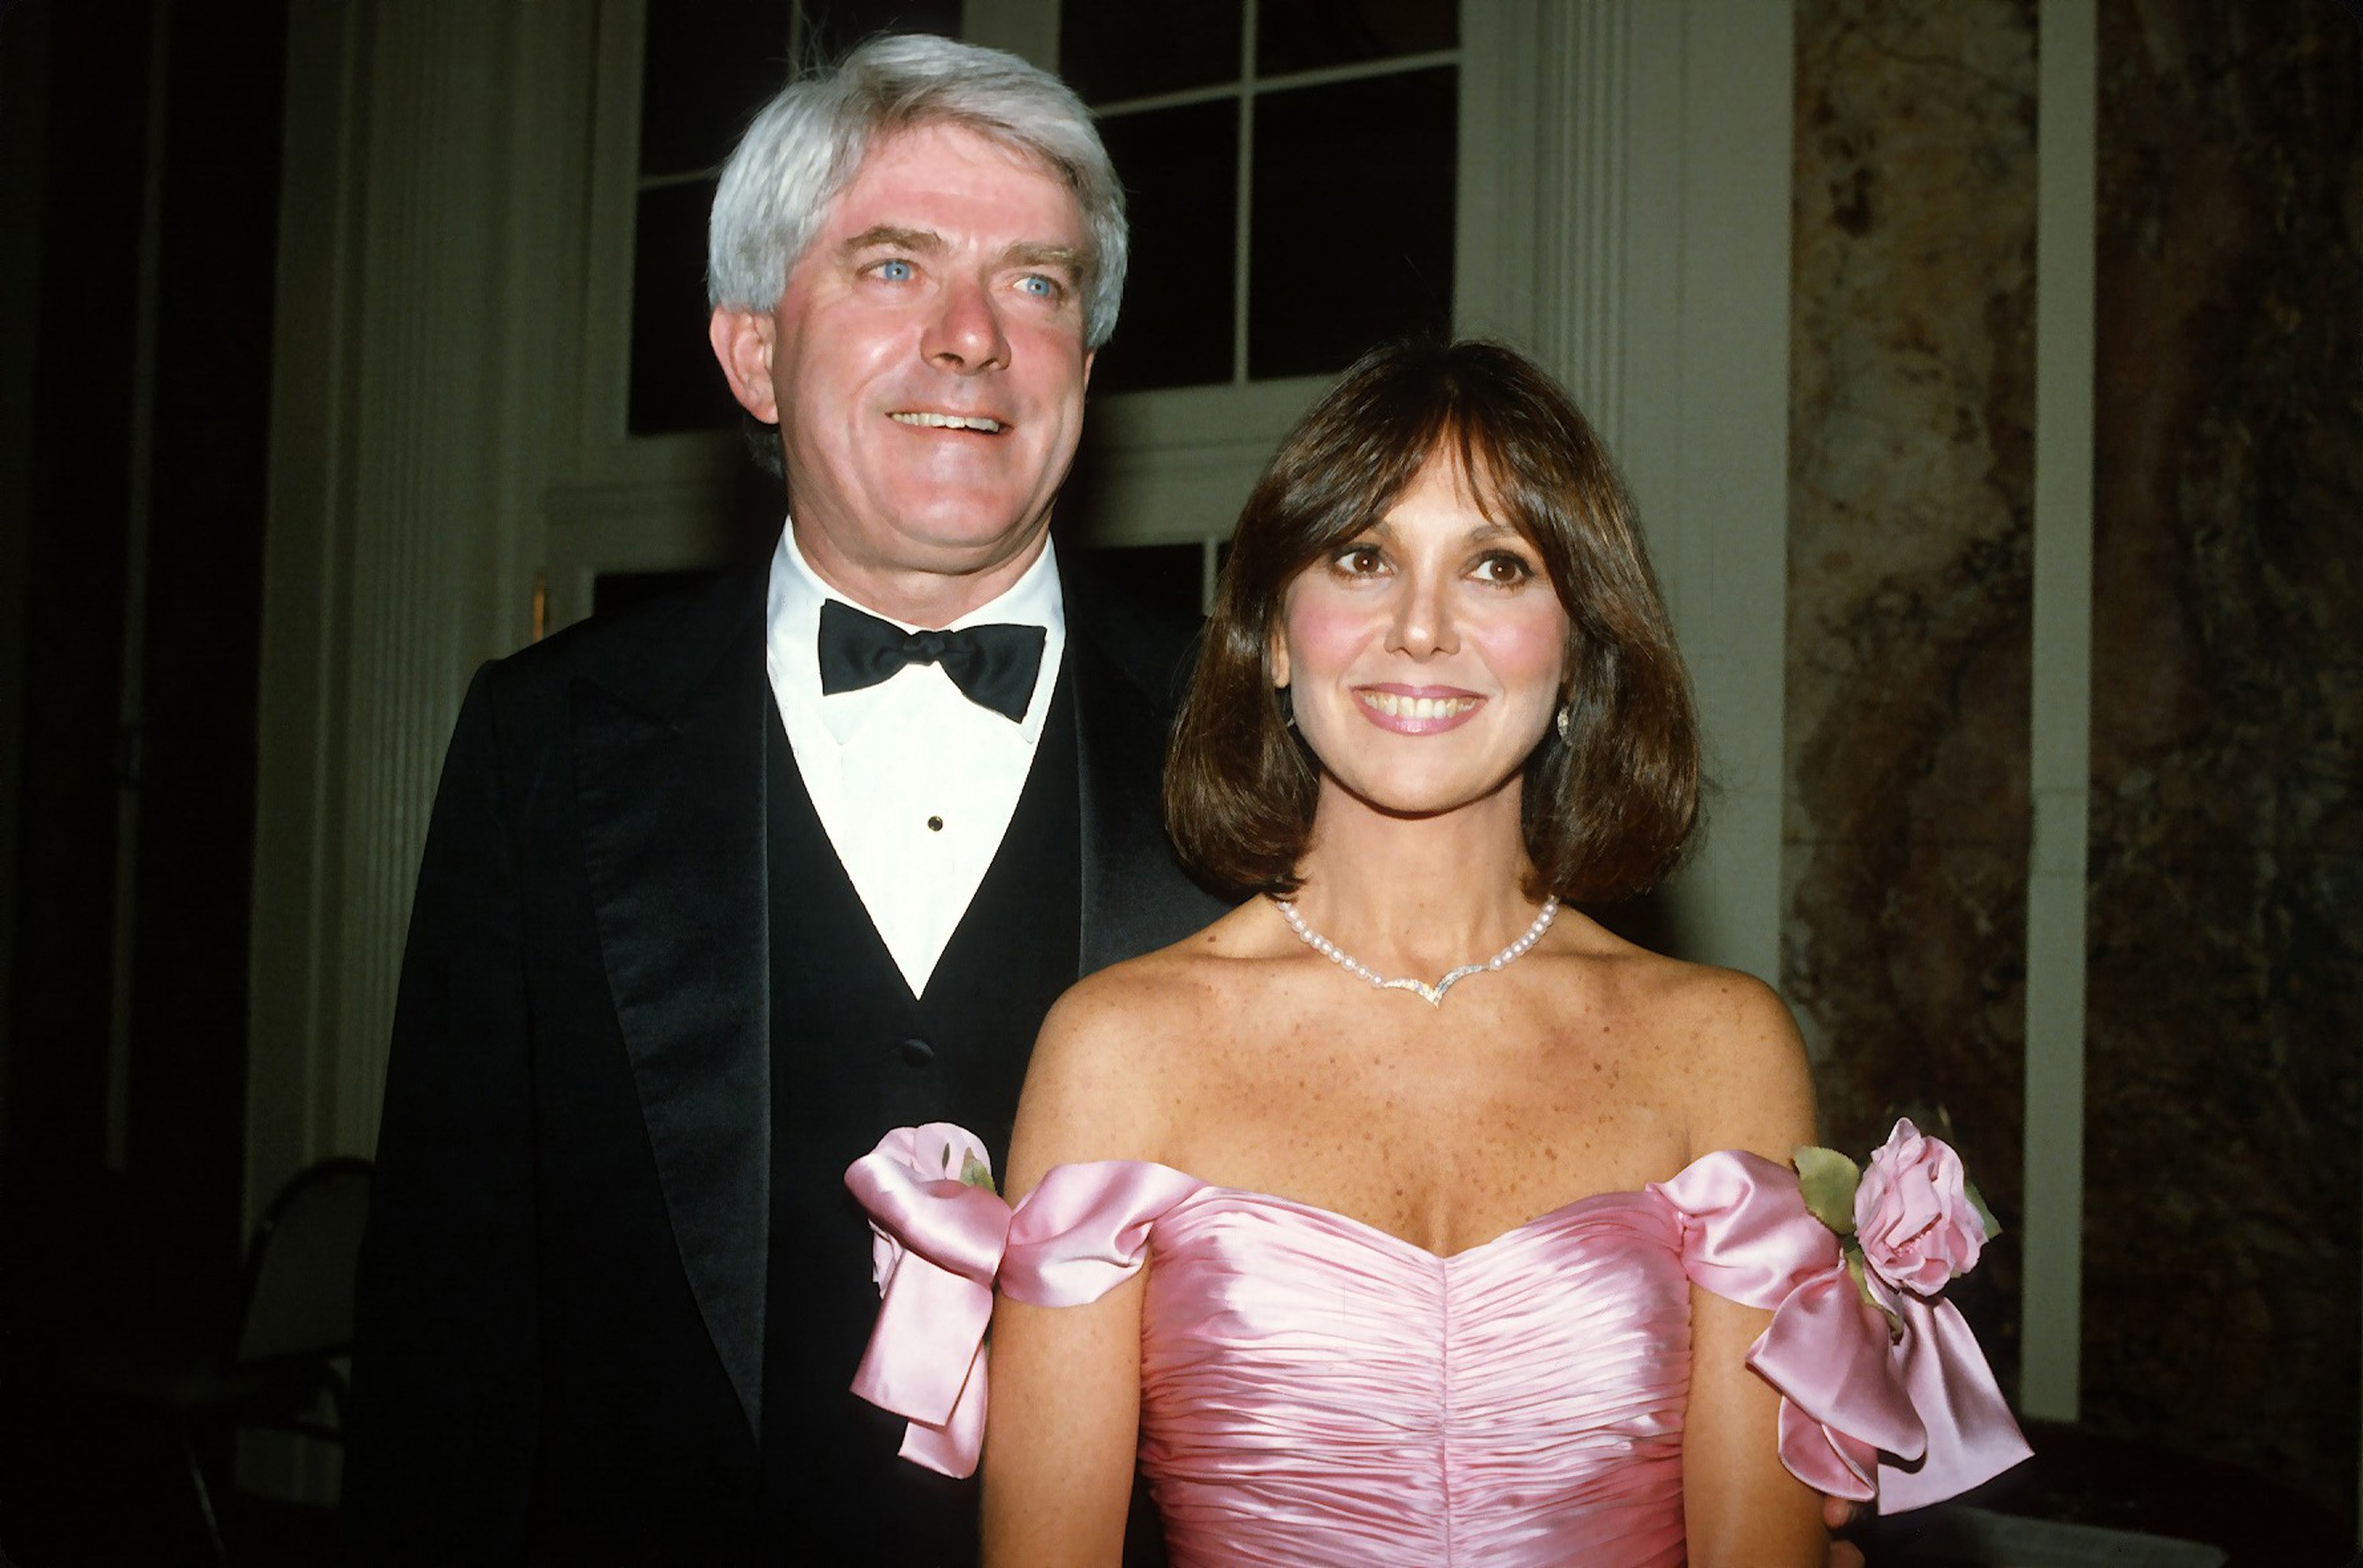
[(2060, 782)]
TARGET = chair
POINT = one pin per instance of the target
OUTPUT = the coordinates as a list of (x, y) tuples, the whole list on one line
[(280, 1369)]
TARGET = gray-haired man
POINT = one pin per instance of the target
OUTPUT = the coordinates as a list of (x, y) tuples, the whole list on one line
[(718, 892)]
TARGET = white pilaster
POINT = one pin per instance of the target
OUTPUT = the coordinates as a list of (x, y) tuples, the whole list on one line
[(1625, 218), (428, 240), (2059, 783)]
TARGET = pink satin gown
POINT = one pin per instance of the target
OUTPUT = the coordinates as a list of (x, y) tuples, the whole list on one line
[(1315, 1391)]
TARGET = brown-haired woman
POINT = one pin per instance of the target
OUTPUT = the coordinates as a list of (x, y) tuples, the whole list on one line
[(1415, 1299)]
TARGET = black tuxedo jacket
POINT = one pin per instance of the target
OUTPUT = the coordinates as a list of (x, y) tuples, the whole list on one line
[(561, 1345)]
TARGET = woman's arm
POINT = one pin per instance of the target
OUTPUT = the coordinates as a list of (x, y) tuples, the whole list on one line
[(1063, 1416), (1739, 1504)]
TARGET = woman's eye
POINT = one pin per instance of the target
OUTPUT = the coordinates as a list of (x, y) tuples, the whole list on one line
[(1503, 569), (1359, 561), (897, 270)]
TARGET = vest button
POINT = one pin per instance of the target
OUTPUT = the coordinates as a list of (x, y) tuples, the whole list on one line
[(917, 1054)]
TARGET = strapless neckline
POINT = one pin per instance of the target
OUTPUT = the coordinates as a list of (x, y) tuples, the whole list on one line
[(1385, 1240)]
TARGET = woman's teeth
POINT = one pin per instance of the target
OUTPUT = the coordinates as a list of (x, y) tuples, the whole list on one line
[(1397, 707)]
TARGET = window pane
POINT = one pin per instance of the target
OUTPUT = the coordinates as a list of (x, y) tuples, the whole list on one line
[(1109, 52), (1180, 168), (706, 70), (1352, 219), (833, 27), (1162, 574), (1302, 35), (675, 384)]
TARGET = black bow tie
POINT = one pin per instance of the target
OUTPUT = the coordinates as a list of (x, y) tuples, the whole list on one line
[(994, 666)]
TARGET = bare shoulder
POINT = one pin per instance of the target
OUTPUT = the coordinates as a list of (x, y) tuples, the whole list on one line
[(1753, 1089), (1115, 1055), (1743, 1082), (1728, 1012)]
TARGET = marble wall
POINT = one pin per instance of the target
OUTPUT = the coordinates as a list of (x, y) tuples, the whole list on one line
[(2225, 1198), (2226, 950), (1905, 819)]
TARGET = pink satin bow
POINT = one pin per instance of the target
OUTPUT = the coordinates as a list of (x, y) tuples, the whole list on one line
[(937, 1247), (940, 1248), (1908, 1421)]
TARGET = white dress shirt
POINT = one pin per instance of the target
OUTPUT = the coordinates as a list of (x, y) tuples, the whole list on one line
[(914, 783)]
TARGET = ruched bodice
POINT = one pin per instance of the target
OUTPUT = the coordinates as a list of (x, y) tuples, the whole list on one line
[(1314, 1390)]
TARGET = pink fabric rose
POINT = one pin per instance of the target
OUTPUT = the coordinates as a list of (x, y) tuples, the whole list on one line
[(1913, 1213)]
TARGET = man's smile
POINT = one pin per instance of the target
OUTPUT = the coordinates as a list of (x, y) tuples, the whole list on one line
[(935, 421)]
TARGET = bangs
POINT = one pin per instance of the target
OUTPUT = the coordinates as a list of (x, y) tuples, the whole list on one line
[(1369, 470)]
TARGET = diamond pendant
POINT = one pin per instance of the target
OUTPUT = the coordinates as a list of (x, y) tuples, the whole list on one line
[(1432, 995)]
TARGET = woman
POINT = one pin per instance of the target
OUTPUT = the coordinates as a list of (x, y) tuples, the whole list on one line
[(1417, 1298)]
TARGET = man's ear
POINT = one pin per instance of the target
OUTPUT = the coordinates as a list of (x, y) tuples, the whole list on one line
[(742, 342)]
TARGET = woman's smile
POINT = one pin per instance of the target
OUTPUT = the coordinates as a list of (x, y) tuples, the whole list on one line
[(1418, 709)]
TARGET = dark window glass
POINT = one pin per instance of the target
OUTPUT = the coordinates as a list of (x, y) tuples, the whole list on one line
[(1180, 168), (706, 70), (708, 67), (1108, 52), (1162, 574), (833, 27), (613, 591), (1303, 35), (1352, 219), (675, 384)]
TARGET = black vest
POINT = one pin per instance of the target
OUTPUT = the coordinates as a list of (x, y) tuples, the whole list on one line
[(853, 1055)]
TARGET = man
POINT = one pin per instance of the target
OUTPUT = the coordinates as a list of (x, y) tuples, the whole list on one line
[(715, 895)]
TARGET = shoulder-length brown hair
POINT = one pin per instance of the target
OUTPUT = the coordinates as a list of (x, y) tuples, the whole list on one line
[(1609, 809)]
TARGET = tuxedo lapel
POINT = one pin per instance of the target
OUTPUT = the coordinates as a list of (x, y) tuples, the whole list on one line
[(669, 775), (1134, 898)]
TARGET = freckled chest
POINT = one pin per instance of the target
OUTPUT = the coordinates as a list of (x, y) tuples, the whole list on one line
[(1455, 1122)]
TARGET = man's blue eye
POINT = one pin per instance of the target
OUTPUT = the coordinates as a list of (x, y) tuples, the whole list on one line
[(896, 271), (1038, 286)]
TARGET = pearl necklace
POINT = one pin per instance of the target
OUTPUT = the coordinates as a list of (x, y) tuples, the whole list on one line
[(1432, 995)]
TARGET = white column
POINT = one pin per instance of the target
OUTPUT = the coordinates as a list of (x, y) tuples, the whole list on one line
[(2052, 1290), (428, 257), (1626, 218), (1726, 555)]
